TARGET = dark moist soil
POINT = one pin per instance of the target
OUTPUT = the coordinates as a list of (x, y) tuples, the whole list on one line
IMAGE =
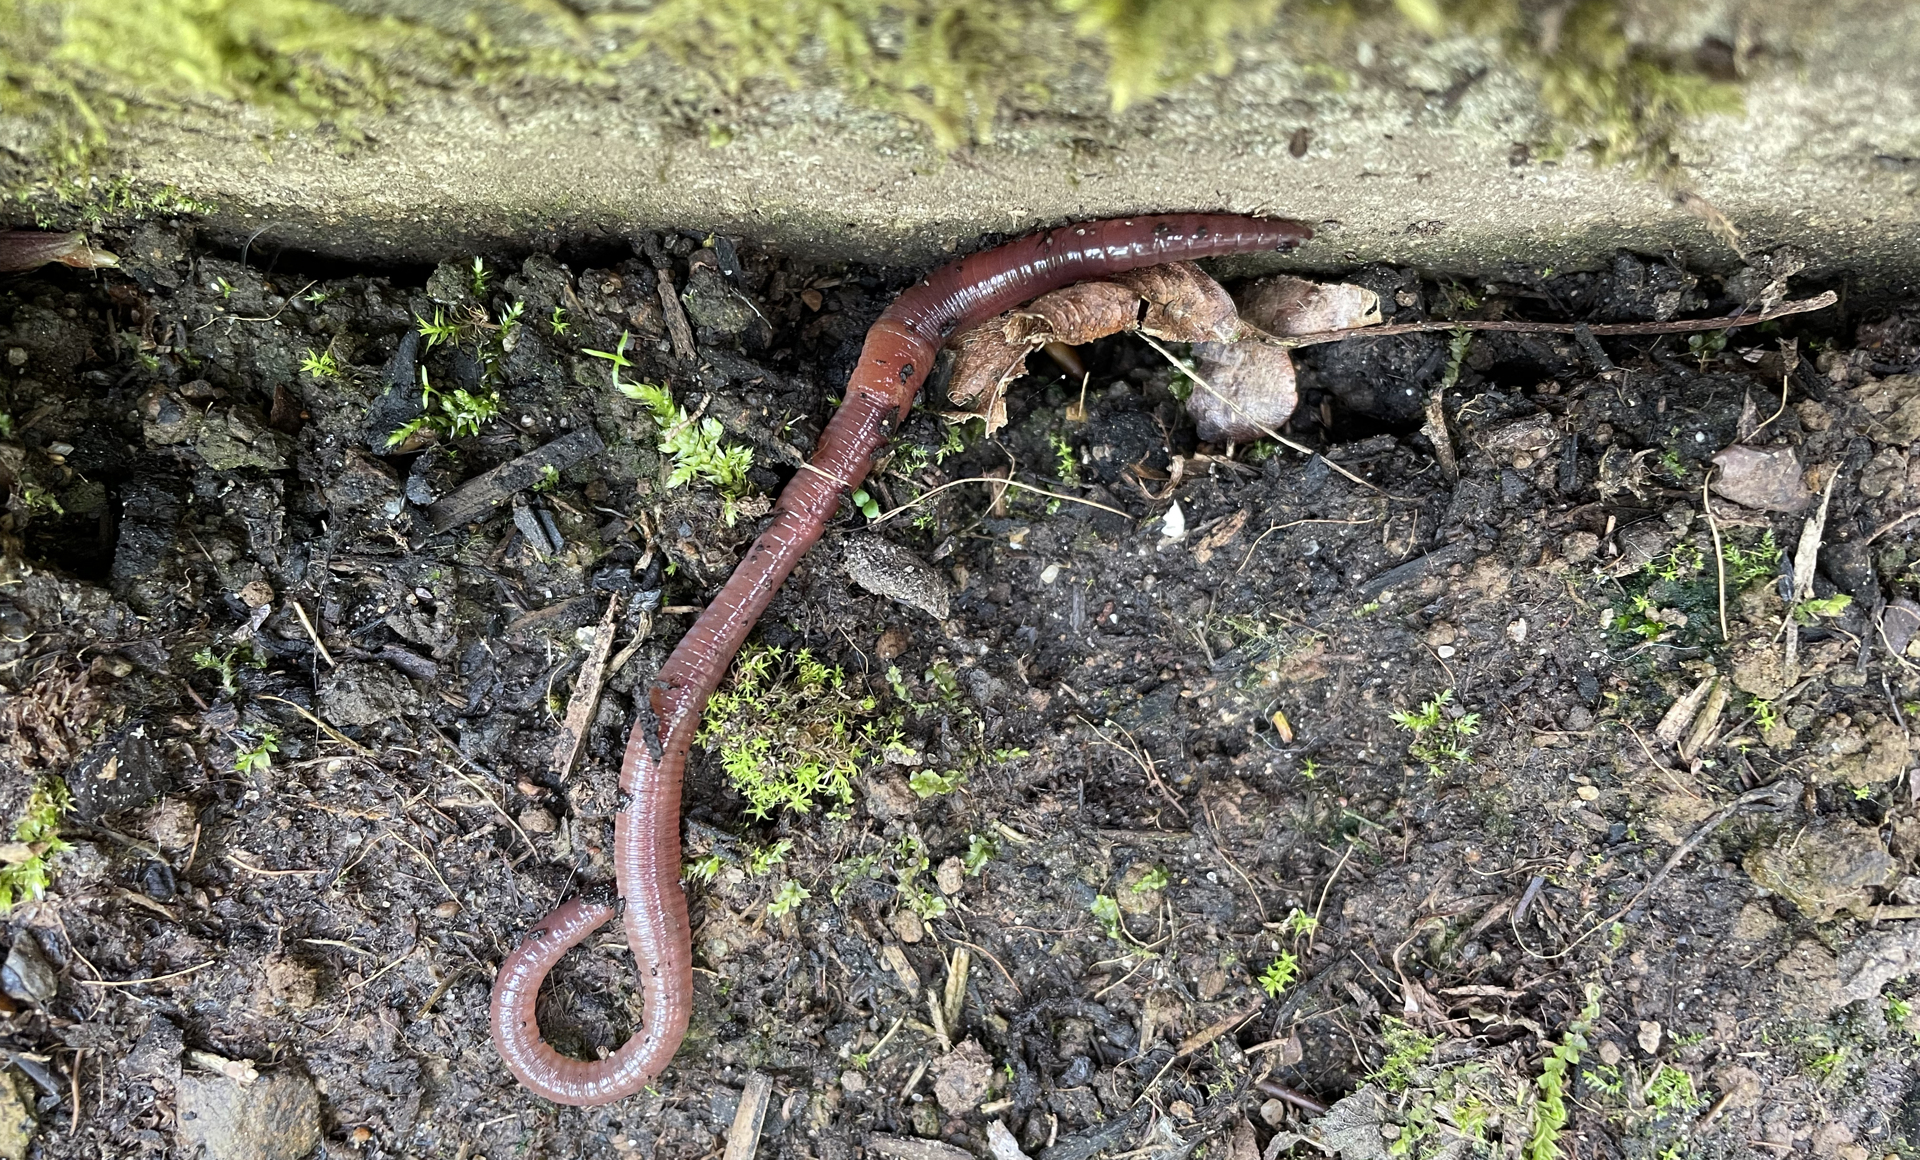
[(1127, 771)]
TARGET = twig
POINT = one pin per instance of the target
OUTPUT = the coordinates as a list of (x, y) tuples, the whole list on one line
[(1221, 849), (446, 985), (145, 981), (358, 749), (1261, 427), (1293, 524), (1778, 794), (318, 644), (1141, 758), (1891, 524), (1719, 559), (1324, 891), (1304, 1102), (1806, 557), (744, 1136), (498, 808), (1681, 326), (999, 483), (586, 695), (431, 868)]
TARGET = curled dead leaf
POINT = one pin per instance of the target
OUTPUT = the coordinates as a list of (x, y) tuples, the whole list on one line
[(984, 363), (29, 249), (1253, 388), (1183, 303), (1075, 314), (1285, 305)]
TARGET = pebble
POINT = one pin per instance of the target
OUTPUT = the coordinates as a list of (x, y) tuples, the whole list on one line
[(887, 569), (16, 1117), (951, 876), (1649, 1037), (27, 976), (276, 1117), (907, 926), (1589, 793), (535, 820)]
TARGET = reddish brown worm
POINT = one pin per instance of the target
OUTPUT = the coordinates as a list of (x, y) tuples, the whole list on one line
[(899, 352)]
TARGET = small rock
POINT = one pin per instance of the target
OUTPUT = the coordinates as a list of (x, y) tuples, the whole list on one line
[(1824, 869), (171, 823), (1173, 525), (1274, 1112), (1588, 793), (892, 643), (1610, 1053), (907, 926), (535, 820), (274, 1118), (157, 1054), (16, 1116), (951, 876), (1901, 622), (118, 774), (961, 1078), (1517, 631), (256, 594), (27, 976), (1579, 547), (887, 569), (888, 798), (1768, 479), (1649, 1037), (1760, 671), (447, 909), (1001, 1144), (361, 693), (1440, 632), (852, 1082), (291, 984)]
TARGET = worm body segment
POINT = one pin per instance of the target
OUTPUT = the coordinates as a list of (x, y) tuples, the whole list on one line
[(898, 353)]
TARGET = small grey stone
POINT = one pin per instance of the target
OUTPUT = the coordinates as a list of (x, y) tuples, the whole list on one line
[(1768, 479), (359, 693), (27, 976), (887, 569), (158, 1051), (276, 1117)]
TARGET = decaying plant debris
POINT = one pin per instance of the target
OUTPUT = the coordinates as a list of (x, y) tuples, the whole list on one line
[(1559, 805)]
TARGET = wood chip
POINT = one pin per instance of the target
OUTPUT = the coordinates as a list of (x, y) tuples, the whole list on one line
[(677, 328), (909, 1148), (744, 1136), (482, 495), (586, 694)]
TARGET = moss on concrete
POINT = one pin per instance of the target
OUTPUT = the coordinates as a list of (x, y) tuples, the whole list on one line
[(80, 69)]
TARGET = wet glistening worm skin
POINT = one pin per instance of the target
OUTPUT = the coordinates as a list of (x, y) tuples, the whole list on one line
[(898, 353)]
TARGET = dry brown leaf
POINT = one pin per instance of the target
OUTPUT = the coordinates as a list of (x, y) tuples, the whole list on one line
[(1255, 385), (984, 363), (1285, 305), (1183, 303), (1075, 314)]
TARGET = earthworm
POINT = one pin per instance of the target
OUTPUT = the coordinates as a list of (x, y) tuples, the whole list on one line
[(898, 353)]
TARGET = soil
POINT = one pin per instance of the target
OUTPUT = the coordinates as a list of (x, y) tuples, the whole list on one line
[(1322, 791)]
